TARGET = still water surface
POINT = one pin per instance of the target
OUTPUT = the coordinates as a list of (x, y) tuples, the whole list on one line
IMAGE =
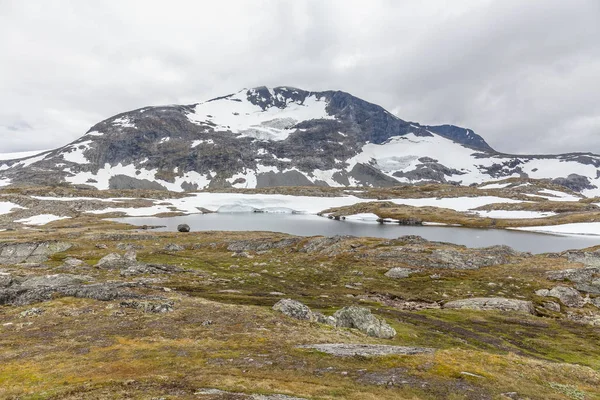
[(312, 225)]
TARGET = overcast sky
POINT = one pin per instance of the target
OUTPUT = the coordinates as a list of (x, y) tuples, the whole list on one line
[(523, 74)]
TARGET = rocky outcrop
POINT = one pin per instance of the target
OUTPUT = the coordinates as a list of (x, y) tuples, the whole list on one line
[(366, 350), (492, 303), (586, 279), (567, 295), (30, 252), (43, 288), (361, 318), (129, 265), (448, 257)]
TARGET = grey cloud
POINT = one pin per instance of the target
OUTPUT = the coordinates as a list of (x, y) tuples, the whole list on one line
[(524, 75)]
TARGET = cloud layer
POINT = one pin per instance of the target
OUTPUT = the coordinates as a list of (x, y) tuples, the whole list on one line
[(524, 75)]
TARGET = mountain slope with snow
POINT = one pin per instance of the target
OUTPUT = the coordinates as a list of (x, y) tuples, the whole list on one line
[(283, 137)]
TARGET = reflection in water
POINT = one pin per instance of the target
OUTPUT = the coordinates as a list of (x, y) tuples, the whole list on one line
[(312, 225)]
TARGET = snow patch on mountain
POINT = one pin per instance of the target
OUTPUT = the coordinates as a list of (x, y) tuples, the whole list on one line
[(235, 113)]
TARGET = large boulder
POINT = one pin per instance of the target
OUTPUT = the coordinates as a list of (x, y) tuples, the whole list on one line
[(567, 295), (492, 303), (361, 318), (293, 308), (298, 310), (183, 228)]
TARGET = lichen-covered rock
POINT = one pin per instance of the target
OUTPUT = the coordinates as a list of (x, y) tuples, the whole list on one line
[(400, 272), (293, 308), (361, 318), (492, 303), (567, 295)]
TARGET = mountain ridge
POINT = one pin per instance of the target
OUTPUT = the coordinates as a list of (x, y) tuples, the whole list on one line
[(283, 136)]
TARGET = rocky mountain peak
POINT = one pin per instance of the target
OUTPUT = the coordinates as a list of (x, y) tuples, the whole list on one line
[(278, 137)]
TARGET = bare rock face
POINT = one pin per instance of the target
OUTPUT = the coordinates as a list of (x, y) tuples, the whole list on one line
[(33, 252), (361, 318), (492, 303)]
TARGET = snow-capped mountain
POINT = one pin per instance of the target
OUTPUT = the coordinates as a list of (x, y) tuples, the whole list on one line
[(279, 137)]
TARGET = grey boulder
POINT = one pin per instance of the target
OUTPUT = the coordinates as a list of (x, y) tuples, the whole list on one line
[(361, 318), (183, 228)]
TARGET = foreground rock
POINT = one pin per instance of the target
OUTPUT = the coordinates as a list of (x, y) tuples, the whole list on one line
[(32, 252), (349, 350), (492, 303), (361, 318), (567, 295)]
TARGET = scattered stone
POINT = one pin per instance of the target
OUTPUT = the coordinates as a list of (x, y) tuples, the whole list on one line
[(400, 272), (32, 312), (183, 228), (174, 247), (101, 246), (5, 280), (361, 318), (492, 303), (349, 350), (148, 306)]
